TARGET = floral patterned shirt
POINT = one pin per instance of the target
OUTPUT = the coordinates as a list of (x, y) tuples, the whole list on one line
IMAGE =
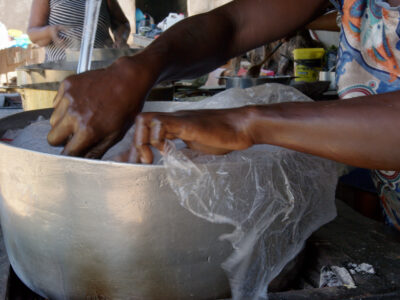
[(368, 64)]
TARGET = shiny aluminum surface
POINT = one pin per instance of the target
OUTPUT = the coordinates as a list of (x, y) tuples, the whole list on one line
[(50, 72), (81, 229), (246, 82)]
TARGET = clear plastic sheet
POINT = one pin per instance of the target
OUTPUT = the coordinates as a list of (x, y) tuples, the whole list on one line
[(33, 137), (262, 94), (274, 197)]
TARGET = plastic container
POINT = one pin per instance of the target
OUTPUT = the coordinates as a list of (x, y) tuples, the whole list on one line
[(169, 21), (38, 96), (145, 26), (329, 76), (308, 62)]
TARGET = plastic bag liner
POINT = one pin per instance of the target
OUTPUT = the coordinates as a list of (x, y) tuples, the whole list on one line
[(274, 197)]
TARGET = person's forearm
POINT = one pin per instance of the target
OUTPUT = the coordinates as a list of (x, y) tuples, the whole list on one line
[(326, 22), (362, 132), (40, 36), (201, 43)]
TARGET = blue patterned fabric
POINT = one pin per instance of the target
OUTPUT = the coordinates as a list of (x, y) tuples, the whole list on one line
[(369, 64)]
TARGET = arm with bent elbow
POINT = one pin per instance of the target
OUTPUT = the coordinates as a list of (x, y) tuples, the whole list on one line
[(39, 31), (87, 123)]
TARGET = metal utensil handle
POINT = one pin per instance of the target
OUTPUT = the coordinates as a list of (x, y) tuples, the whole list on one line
[(254, 70), (272, 52), (92, 11)]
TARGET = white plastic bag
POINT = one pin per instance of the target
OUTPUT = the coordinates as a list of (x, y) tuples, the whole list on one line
[(169, 21), (274, 197)]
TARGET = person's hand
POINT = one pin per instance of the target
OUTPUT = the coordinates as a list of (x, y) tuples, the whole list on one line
[(209, 131), (120, 41), (54, 33), (120, 44), (93, 110), (121, 35)]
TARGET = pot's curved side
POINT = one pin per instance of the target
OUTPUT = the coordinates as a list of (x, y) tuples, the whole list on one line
[(76, 228)]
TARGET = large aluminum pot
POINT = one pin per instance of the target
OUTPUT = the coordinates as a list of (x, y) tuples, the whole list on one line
[(41, 95), (58, 71), (88, 229), (52, 71)]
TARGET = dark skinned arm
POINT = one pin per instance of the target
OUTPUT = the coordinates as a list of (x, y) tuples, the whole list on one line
[(227, 32), (93, 110), (325, 22), (363, 132)]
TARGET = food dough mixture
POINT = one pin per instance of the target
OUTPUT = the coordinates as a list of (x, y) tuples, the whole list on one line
[(34, 137)]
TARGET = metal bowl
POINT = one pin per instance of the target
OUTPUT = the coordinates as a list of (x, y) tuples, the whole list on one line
[(78, 228), (89, 229), (246, 82), (50, 72)]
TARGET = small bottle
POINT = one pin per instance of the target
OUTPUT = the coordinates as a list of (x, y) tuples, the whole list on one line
[(145, 26)]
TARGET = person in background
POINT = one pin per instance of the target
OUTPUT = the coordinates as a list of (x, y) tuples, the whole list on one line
[(362, 131), (58, 25)]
